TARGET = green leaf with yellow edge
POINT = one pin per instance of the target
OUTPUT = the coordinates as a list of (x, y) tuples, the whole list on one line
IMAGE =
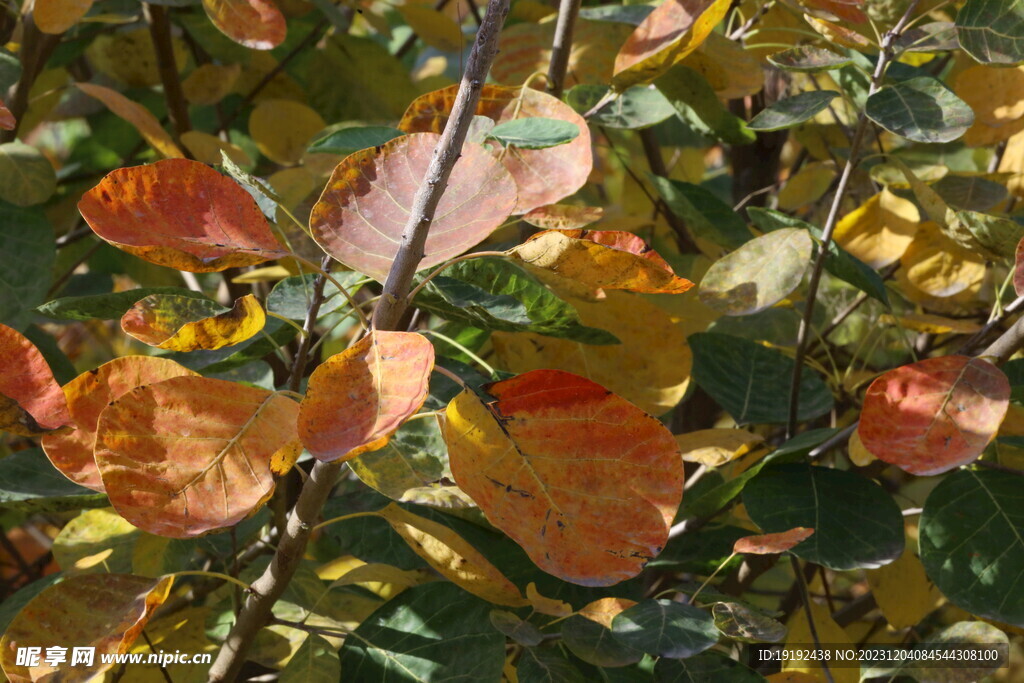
[(179, 323), (106, 306), (992, 31), (411, 461), (96, 541), (921, 109), (670, 33), (26, 176), (105, 611)]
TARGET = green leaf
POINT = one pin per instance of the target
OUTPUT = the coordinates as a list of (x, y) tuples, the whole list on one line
[(624, 14), (972, 193), (700, 553), (291, 296), (808, 58), (997, 235), (260, 190), (740, 622), (921, 109), (29, 483), (26, 176), (546, 665), (695, 101), (705, 215), (665, 629), (972, 542), (965, 636), (415, 457), (495, 294), (710, 667), (536, 132), (856, 523), (27, 255), (636, 108), (839, 262), (315, 660), (748, 379), (106, 306), (595, 644), (523, 632), (792, 111), (992, 31), (349, 140), (431, 632)]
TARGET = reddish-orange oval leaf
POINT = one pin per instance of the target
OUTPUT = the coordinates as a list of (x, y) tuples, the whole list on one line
[(7, 121), (87, 395), (31, 402), (182, 214), (542, 176), (257, 24), (362, 212), (930, 417), (102, 611), (358, 398), (189, 455), (772, 544), (583, 480)]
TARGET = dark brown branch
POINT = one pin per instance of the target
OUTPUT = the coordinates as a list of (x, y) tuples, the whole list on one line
[(657, 165), (160, 31), (37, 47), (561, 48)]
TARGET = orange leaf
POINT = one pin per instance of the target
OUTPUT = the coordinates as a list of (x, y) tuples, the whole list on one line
[(57, 16), (87, 395), (542, 176), (7, 121), (604, 610), (549, 606), (257, 24), (104, 611), (31, 402), (184, 323), (189, 455), (359, 397), (930, 417), (182, 214), (362, 212), (607, 259), (583, 480), (668, 34), (563, 216), (771, 544), (137, 115)]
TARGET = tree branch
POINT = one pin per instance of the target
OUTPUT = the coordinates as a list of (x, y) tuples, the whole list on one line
[(160, 31), (266, 590), (35, 51), (561, 48)]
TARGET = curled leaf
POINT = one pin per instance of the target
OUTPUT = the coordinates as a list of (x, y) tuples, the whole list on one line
[(772, 544), (563, 216), (31, 402), (182, 323)]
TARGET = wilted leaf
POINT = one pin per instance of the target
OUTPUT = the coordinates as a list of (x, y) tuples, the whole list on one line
[(670, 33), (715, 447), (542, 176), (383, 380), (189, 455), (590, 500), (181, 214), (362, 213), (31, 402), (256, 24), (921, 109), (563, 216), (932, 416), (665, 629), (135, 114), (808, 58), (759, 274), (180, 323), (605, 259), (792, 111), (109, 306), (739, 622), (771, 544), (879, 231), (87, 395), (26, 176), (105, 611), (282, 129), (992, 31)]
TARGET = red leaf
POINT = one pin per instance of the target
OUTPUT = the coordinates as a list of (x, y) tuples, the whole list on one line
[(257, 24), (7, 121), (930, 417), (772, 544), (31, 402)]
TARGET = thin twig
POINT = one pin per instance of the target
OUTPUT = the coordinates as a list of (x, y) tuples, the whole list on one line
[(657, 165), (160, 31), (806, 599), (36, 49), (561, 47)]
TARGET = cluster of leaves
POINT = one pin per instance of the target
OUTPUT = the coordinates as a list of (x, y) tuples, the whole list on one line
[(235, 183)]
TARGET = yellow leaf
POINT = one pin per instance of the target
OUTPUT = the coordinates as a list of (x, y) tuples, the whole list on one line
[(996, 95), (604, 610), (800, 639), (91, 534), (880, 230), (183, 631), (57, 16), (807, 185), (181, 323), (137, 115), (1013, 162), (548, 606), (453, 557), (931, 324), (433, 28), (380, 579), (130, 58), (265, 274), (282, 129), (859, 455), (903, 591), (715, 447), (207, 148), (210, 83), (938, 266), (731, 70)]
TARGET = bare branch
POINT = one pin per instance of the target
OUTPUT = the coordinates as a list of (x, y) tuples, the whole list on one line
[(562, 45)]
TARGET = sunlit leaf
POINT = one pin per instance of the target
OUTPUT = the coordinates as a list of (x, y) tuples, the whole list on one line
[(256, 24), (697, 103), (96, 541), (188, 455), (729, 68), (715, 447), (542, 176), (31, 402), (800, 659), (771, 544), (994, 94), (109, 306), (903, 591), (87, 395), (879, 230), (605, 609), (362, 213), (316, 660), (182, 214), (934, 415), (920, 109), (282, 129), (181, 323), (135, 114), (383, 380), (590, 509)]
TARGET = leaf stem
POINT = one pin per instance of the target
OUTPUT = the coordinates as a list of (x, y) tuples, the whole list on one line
[(160, 31)]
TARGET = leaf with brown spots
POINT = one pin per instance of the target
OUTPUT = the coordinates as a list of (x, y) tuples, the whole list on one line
[(256, 24), (31, 402), (190, 455), (542, 176), (362, 212), (105, 611), (583, 480), (87, 395), (184, 323), (358, 398), (935, 415), (182, 214), (772, 544)]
